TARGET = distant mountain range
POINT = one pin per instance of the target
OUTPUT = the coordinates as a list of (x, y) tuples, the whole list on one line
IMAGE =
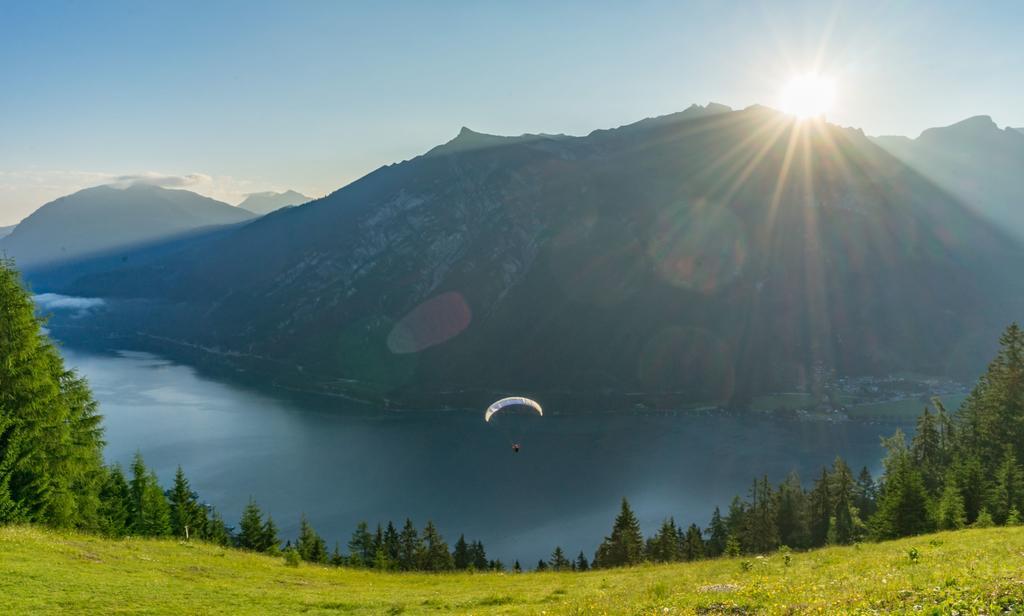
[(975, 160), (705, 256), (267, 202), (5, 231), (97, 220)]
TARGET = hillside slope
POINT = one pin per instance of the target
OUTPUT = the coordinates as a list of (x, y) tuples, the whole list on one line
[(968, 571), (104, 218), (716, 255)]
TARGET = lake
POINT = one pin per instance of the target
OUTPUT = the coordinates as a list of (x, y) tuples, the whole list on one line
[(342, 462)]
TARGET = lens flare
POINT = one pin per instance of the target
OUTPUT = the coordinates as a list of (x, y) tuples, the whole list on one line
[(808, 96)]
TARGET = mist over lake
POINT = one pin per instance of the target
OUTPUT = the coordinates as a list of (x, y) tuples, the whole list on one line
[(341, 462)]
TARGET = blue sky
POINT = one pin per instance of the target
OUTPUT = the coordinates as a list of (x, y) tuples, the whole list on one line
[(249, 96)]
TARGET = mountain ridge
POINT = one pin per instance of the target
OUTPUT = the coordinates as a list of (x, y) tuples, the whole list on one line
[(659, 258), (104, 218)]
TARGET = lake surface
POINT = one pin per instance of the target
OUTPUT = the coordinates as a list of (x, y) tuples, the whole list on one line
[(342, 462)]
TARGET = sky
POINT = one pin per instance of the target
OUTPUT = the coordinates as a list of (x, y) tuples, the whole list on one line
[(227, 98)]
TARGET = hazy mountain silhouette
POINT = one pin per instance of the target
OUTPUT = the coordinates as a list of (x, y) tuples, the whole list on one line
[(704, 255), (976, 161), (266, 202), (5, 231), (104, 218)]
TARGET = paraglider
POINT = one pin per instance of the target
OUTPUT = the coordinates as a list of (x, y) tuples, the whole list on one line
[(509, 402), (506, 402)]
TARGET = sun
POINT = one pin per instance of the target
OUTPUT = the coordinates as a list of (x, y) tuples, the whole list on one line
[(808, 96)]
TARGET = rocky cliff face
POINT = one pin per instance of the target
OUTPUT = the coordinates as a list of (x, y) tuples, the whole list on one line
[(705, 256)]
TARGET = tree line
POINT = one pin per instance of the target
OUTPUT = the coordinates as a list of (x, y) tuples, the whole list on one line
[(958, 470)]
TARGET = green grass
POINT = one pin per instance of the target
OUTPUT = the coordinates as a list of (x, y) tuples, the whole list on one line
[(971, 571)]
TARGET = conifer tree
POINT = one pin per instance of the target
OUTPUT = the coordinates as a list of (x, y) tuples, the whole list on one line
[(311, 546), (541, 566), (1007, 491), (392, 545), (792, 513), (477, 555), (435, 551), (188, 517), (718, 534), (410, 547), (582, 564), (217, 531), (950, 511), (762, 524), (337, 559), (865, 494), (558, 560), (50, 434), (115, 504), (693, 546), (664, 546), (460, 555), (516, 568), (250, 527), (625, 545), (904, 504), (820, 510), (361, 552), (269, 541)]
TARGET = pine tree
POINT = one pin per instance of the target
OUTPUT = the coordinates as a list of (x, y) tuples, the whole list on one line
[(984, 519), (410, 547), (664, 546), (460, 556), (435, 551), (115, 504), (188, 517), (950, 510), (820, 510), (736, 522), (926, 451), (762, 524), (693, 545), (558, 560), (582, 564), (718, 534), (1007, 491), (904, 504), (842, 529), (625, 545), (150, 512), (50, 435), (865, 494), (392, 545), (250, 527), (269, 541), (541, 566), (477, 555), (217, 531), (791, 513), (311, 546), (361, 552), (337, 559), (516, 568)]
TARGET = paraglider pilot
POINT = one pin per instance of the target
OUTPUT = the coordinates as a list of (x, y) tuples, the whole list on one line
[(515, 447)]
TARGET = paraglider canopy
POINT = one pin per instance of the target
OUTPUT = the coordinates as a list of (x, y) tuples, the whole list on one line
[(514, 401)]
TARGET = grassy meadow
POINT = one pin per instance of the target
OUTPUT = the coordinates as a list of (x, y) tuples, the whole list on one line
[(971, 571)]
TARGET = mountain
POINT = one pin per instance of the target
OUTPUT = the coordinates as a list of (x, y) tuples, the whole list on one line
[(5, 231), (266, 202), (104, 218), (702, 257), (976, 161)]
